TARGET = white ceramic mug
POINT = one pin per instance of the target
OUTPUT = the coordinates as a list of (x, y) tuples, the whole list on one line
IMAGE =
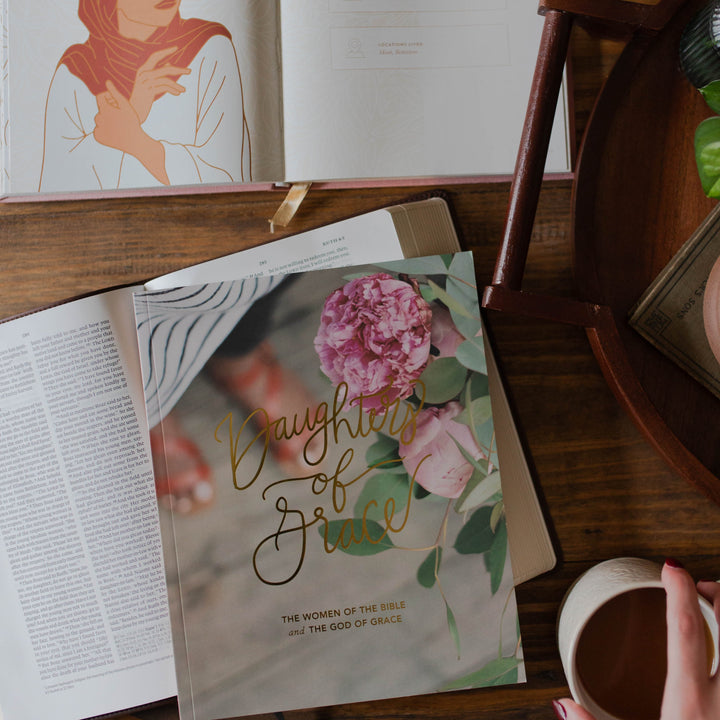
[(588, 593)]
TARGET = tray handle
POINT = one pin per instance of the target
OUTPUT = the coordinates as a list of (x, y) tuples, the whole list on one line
[(506, 294), (624, 17)]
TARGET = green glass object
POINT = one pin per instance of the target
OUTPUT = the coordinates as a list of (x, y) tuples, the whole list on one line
[(700, 46)]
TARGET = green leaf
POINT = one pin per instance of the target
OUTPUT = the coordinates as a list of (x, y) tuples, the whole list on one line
[(452, 626), (430, 265), (427, 293), (478, 492), (481, 465), (462, 287), (455, 305), (711, 93), (485, 436), (498, 513), (471, 354), (707, 155), (497, 672), (384, 449), (354, 537), (443, 378), (461, 281), (476, 536), (382, 488), (495, 558), (477, 413), (429, 568), (479, 386)]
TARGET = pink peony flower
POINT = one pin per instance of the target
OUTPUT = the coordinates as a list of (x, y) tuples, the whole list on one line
[(443, 470), (374, 335)]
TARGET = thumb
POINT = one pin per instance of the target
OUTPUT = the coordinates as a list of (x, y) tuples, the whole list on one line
[(567, 709), (687, 658), (118, 99)]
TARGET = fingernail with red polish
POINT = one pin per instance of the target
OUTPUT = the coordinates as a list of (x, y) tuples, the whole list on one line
[(559, 710), (671, 562)]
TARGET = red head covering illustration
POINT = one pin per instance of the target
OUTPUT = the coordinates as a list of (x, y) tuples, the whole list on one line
[(107, 55)]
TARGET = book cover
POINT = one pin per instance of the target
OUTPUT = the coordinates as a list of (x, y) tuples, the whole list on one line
[(333, 495), (670, 312)]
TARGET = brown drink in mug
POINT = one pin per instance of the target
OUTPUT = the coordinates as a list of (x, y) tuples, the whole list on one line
[(612, 637)]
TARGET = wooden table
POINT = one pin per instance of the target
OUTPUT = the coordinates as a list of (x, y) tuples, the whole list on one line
[(606, 491)]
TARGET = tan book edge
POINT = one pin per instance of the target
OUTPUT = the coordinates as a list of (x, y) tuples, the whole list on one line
[(425, 228)]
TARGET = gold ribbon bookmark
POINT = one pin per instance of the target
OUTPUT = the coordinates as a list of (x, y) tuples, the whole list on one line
[(290, 205)]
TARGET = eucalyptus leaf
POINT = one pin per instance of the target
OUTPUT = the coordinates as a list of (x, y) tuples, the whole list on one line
[(707, 155), (444, 378), (479, 493), (383, 448), (495, 558), (379, 490), (461, 279), (355, 537), (498, 513), (485, 435), (478, 463), (500, 670), (452, 626), (479, 386), (428, 294), (470, 327), (476, 413), (429, 568), (475, 536), (462, 287), (430, 265), (471, 354), (711, 93), (455, 305)]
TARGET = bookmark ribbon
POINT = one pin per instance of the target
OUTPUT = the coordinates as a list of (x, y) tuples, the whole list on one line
[(290, 205)]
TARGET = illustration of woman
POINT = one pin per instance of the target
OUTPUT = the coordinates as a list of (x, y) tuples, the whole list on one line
[(149, 99)]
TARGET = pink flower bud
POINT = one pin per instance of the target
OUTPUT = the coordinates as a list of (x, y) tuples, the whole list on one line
[(434, 454)]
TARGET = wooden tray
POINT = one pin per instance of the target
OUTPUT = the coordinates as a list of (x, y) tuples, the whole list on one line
[(637, 198)]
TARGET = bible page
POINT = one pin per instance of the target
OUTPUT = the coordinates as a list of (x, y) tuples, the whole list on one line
[(84, 626)]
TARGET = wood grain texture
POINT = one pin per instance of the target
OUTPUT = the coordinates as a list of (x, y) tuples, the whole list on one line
[(606, 491)]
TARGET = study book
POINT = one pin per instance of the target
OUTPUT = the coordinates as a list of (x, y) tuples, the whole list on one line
[(671, 313), (358, 541), (107, 96), (86, 625)]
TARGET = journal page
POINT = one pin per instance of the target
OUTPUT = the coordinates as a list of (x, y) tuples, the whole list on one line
[(409, 87)]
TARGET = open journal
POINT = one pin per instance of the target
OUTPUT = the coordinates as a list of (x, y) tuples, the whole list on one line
[(99, 97), (100, 579)]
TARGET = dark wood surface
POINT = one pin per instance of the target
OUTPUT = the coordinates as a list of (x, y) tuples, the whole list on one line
[(627, 224), (606, 491)]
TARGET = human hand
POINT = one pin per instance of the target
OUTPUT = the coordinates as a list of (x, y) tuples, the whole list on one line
[(689, 693), (118, 126), (152, 81)]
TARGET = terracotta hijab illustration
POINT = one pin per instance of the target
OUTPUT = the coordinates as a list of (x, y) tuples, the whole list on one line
[(150, 98)]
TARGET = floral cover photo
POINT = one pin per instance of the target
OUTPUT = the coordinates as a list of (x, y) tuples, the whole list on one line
[(329, 487)]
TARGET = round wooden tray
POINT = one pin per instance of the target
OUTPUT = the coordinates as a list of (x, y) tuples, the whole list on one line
[(637, 198)]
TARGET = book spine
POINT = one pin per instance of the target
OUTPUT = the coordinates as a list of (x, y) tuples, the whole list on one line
[(4, 99)]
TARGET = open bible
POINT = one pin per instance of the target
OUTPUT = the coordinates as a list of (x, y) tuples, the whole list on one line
[(86, 625)]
